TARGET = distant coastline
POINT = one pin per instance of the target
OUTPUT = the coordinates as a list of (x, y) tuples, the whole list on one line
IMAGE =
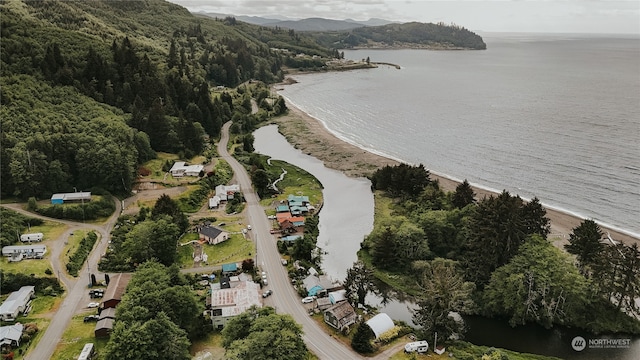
[(356, 161)]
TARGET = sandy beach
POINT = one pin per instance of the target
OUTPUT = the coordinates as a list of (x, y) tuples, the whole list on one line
[(311, 137)]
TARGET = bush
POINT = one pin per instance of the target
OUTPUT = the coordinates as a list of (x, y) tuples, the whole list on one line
[(78, 258)]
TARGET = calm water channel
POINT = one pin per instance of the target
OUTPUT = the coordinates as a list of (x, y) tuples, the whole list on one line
[(347, 217)]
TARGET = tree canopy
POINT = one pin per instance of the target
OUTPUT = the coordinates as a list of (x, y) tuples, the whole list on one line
[(263, 334), (539, 284), (156, 318)]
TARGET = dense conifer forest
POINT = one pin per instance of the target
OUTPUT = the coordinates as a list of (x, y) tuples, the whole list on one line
[(90, 90)]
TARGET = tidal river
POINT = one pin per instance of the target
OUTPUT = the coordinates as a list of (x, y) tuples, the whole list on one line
[(347, 214), (347, 217)]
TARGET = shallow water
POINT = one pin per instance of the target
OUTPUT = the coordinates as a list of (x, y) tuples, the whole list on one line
[(347, 214)]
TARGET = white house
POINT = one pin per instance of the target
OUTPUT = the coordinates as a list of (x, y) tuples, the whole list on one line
[(229, 303), (226, 192), (380, 324), (10, 335), (19, 252), (180, 169), (18, 302), (214, 202), (32, 237)]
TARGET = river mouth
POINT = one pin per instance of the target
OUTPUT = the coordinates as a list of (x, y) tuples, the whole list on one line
[(347, 217)]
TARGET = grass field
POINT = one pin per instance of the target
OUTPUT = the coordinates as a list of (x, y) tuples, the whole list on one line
[(236, 249), (51, 230), (43, 308), (77, 334)]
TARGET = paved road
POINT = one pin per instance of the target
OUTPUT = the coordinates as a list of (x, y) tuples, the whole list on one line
[(284, 298), (77, 293)]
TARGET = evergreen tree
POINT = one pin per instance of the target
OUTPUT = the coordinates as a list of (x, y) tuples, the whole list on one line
[(384, 250), (167, 206), (463, 195), (585, 243), (358, 283), (361, 341)]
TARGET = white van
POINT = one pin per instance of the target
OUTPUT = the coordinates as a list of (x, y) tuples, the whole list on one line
[(417, 346)]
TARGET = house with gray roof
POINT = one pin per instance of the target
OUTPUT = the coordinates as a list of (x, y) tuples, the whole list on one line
[(17, 303), (10, 336), (212, 235)]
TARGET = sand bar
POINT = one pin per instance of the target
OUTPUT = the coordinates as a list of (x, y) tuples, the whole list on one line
[(312, 137)]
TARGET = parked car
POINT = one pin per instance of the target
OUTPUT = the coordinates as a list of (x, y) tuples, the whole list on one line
[(267, 293), (264, 275), (248, 227), (308, 299), (283, 261), (91, 318), (96, 293), (265, 282), (93, 305)]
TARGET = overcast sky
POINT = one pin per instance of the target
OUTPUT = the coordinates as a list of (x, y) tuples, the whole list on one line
[(550, 16)]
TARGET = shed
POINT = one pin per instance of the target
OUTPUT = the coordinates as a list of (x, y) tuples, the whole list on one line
[(103, 327), (214, 202), (338, 296), (108, 313), (61, 198), (380, 324), (116, 288), (229, 268), (323, 303)]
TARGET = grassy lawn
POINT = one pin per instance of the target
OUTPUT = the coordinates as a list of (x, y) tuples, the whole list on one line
[(155, 165), (235, 249), (75, 336), (27, 266), (212, 343), (51, 230), (296, 182), (43, 308)]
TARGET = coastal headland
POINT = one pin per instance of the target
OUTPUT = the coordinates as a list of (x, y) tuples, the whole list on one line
[(313, 138)]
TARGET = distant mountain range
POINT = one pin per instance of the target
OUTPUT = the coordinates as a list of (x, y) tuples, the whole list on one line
[(310, 24)]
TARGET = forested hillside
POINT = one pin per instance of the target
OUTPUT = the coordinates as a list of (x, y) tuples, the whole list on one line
[(92, 89), (413, 34)]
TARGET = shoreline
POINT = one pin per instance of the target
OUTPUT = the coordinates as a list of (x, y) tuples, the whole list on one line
[(312, 137)]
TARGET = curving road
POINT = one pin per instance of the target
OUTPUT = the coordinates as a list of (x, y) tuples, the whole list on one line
[(284, 298), (77, 293)]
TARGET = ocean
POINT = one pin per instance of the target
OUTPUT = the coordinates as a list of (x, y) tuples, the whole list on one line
[(551, 116)]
